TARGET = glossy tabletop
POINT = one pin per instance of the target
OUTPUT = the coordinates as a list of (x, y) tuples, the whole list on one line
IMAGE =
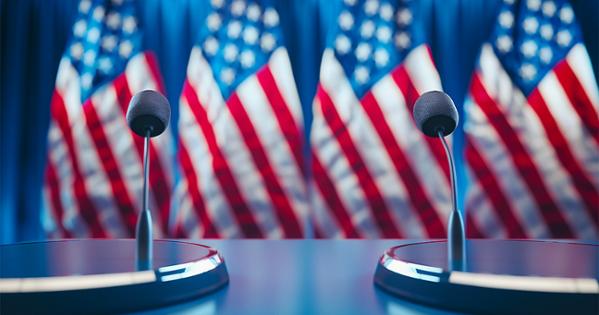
[(301, 277)]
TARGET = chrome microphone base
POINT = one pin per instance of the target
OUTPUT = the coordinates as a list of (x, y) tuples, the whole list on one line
[(502, 276), (88, 276)]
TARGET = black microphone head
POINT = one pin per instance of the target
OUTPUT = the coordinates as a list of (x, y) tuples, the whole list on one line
[(433, 111), (148, 110)]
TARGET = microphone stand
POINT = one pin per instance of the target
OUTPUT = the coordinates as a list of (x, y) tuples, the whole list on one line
[(456, 241), (143, 233)]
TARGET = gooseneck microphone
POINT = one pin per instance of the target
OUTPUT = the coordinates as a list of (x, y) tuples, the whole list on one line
[(148, 115), (436, 116)]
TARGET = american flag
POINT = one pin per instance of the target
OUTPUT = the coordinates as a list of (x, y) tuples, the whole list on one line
[(533, 128), (93, 179), (374, 174), (241, 130)]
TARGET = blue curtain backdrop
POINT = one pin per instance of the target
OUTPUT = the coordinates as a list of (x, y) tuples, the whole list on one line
[(34, 34)]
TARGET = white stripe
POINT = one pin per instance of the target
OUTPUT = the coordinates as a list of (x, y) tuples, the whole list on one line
[(422, 70), (191, 137), (58, 156), (579, 61), (278, 151), (412, 143), (328, 225), (283, 76), (480, 209), (491, 148), (531, 133)]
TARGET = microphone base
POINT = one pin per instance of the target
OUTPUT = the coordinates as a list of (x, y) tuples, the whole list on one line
[(502, 276), (88, 276)]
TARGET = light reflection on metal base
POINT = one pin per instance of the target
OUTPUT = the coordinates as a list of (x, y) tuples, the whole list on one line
[(503, 277), (100, 276)]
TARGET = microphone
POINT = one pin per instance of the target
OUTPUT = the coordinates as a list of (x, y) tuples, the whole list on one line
[(436, 116), (148, 115)]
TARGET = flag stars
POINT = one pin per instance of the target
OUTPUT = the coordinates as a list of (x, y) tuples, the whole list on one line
[(217, 3), (381, 57), (386, 12), (113, 20), (267, 42), (504, 43), (89, 57), (346, 21), (530, 25), (404, 17), (125, 49), (547, 31), (367, 29), (549, 8), (402, 40), (234, 29), (383, 34), (98, 14), (238, 7), (76, 50), (566, 14), (528, 71), (533, 5), (129, 24), (84, 6), (213, 21), (105, 65), (271, 17), (227, 75), (363, 51), (211, 46), (546, 54), (250, 35), (342, 44), (86, 80), (371, 6), (93, 35), (350, 2), (253, 12), (109, 42), (529, 48), (564, 37), (506, 19), (230, 52), (361, 74), (79, 28), (247, 59)]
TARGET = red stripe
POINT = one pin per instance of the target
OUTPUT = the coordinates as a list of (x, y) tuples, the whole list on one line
[(281, 205), (374, 198), (155, 70), (578, 98), (288, 126), (580, 179), (237, 203), (522, 161), (124, 204), (86, 208), (416, 195), (53, 185), (318, 234), (194, 191), (159, 184), (472, 229), (334, 204), (408, 90), (493, 191)]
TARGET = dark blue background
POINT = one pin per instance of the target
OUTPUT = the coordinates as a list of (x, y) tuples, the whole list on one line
[(34, 34)]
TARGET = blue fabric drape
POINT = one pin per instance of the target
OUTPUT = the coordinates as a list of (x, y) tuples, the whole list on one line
[(34, 34)]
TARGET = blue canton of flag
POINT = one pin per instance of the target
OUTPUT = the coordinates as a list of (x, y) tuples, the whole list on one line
[(238, 40), (532, 38), (105, 37), (373, 38)]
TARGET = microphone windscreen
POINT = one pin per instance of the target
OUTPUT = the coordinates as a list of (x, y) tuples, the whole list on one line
[(433, 111), (148, 110)]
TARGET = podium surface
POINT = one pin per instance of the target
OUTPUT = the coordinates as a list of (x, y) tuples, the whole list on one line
[(304, 277)]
